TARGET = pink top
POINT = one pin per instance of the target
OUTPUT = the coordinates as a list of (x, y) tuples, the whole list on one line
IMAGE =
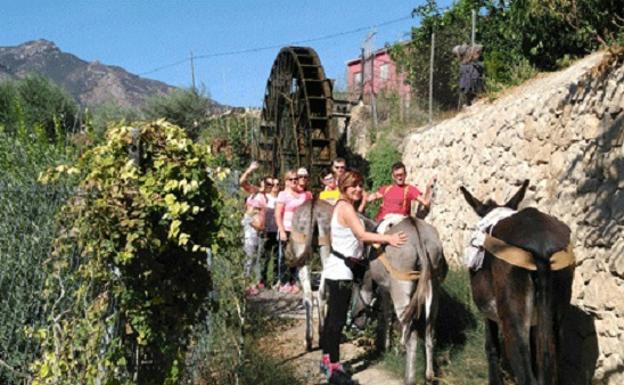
[(257, 201), (291, 203)]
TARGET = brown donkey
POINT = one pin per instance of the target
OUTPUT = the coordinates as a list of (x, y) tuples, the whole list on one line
[(523, 287)]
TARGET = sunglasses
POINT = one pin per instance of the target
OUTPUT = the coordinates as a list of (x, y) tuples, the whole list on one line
[(339, 167), (268, 184), (291, 179), (303, 177)]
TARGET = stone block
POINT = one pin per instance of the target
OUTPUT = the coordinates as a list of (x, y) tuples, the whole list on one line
[(591, 126)]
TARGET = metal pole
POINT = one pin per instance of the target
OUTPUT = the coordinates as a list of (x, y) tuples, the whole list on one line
[(362, 78), (474, 27), (373, 96), (431, 78), (192, 72)]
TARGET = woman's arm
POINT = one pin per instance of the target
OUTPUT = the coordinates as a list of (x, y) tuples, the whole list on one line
[(349, 218), (246, 186)]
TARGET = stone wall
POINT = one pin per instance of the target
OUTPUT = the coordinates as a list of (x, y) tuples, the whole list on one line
[(565, 133)]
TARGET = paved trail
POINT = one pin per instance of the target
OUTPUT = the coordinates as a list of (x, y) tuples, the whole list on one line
[(288, 344)]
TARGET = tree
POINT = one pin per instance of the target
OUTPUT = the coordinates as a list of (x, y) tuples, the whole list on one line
[(188, 109), (47, 105)]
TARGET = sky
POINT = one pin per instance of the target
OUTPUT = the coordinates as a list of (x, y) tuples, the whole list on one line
[(155, 38)]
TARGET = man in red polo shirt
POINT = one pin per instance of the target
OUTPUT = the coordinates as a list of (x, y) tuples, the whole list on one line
[(398, 197)]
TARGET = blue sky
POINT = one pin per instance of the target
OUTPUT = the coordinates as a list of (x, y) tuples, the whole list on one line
[(143, 35)]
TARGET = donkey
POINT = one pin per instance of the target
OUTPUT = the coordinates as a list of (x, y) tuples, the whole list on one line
[(410, 275), (310, 227), (523, 287)]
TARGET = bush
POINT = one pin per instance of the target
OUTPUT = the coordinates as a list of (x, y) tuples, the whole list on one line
[(188, 109), (128, 271), (37, 103)]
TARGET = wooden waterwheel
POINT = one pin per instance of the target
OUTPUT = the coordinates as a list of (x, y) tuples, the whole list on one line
[(296, 128)]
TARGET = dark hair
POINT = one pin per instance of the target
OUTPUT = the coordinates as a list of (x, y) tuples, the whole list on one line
[(350, 178), (324, 173), (398, 166)]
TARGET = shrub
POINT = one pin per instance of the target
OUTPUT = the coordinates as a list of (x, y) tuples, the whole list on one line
[(128, 273)]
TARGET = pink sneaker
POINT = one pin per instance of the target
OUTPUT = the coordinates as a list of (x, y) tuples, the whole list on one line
[(294, 289), (252, 291), (325, 365), (285, 288)]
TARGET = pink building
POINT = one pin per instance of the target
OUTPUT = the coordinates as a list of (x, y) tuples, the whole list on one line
[(384, 76)]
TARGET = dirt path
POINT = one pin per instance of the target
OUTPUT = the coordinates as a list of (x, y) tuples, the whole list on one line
[(288, 344)]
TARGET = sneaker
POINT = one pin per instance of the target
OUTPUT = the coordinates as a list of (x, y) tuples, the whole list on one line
[(324, 366), (252, 291), (285, 288), (294, 289), (338, 376)]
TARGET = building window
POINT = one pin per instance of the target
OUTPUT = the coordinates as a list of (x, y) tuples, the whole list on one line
[(384, 72), (357, 79)]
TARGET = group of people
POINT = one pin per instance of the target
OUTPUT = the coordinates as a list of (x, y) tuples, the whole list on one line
[(269, 211), (345, 190)]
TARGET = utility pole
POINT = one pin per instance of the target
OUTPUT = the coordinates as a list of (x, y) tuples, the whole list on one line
[(474, 27), (193, 73), (367, 47), (431, 78)]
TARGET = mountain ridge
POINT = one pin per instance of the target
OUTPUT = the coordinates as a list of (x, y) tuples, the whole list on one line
[(90, 83)]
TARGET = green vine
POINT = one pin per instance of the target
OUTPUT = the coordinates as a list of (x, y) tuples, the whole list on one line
[(129, 268)]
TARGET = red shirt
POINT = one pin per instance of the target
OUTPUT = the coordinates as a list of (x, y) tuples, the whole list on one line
[(396, 200)]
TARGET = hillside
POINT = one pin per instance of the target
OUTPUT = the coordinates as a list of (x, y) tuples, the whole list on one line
[(90, 83)]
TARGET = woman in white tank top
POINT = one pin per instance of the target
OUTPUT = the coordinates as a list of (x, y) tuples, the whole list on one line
[(348, 236)]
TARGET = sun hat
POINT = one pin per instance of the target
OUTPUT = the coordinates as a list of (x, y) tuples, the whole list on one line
[(302, 172)]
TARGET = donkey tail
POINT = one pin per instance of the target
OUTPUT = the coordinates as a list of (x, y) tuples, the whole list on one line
[(419, 298), (546, 349)]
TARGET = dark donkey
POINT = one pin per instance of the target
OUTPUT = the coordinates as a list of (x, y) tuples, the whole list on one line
[(523, 286)]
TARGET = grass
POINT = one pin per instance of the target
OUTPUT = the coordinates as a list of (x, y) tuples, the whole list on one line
[(459, 356)]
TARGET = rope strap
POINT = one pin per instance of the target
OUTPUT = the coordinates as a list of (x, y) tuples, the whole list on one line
[(397, 274), (524, 259)]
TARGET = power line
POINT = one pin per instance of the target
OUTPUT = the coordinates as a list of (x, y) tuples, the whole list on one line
[(271, 47)]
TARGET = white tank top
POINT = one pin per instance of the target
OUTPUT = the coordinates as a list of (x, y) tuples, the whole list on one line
[(345, 242)]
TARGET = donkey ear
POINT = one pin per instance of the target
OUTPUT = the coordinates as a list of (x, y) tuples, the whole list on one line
[(515, 200), (476, 204)]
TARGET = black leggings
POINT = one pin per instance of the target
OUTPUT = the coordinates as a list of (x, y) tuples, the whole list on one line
[(338, 302), (270, 253)]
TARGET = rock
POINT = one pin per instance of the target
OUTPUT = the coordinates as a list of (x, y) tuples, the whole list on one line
[(591, 126)]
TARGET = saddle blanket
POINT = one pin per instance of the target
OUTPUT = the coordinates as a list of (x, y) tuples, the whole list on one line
[(474, 253), (389, 221)]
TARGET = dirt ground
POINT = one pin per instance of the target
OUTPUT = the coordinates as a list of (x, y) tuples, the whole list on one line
[(288, 343)]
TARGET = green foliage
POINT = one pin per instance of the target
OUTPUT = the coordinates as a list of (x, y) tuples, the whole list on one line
[(188, 109), (231, 138), (128, 273), (27, 228), (519, 37), (381, 158), (37, 103), (110, 113)]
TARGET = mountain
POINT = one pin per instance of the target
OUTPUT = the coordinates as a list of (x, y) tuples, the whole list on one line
[(90, 83)]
